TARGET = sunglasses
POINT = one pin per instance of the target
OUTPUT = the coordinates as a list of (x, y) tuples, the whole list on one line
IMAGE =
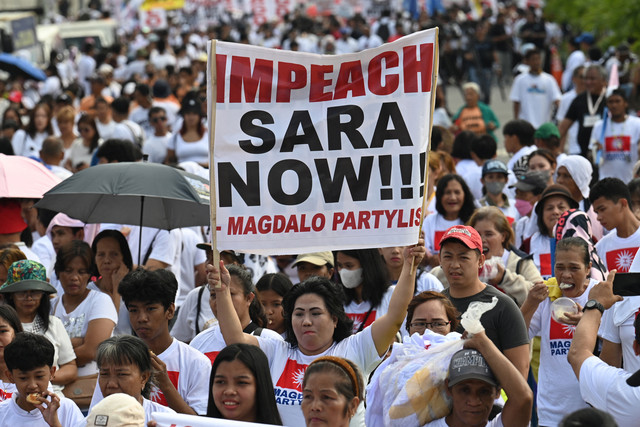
[(158, 119)]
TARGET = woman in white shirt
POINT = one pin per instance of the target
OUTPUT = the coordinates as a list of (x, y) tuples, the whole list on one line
[(27, 291), (79, 155), (191, 142), (28, 142), (316, 326), (558, 388)]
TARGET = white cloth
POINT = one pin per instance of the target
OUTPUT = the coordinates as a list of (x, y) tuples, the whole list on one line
[(541, 249), (606, 388), (210, 342), (288, 365), (428, 282), (78, 153), (123, 326), (536, 95), (617, 327), (471, 173), (572, 133), (129, 131), (43, 247), (557, 384), (524, 151), (27, 252), (357, 311), (184, 329), (106, 130), (434, 227), (156, 147), (86, 67), (95, 306), (57, 335), (580, 170), (496, 422), (151, 407), (575, 59), (618, 252), (190, 258), (140, 115), (25, 145), (619, 147), (189, 372), (197, 151), (12, 415)]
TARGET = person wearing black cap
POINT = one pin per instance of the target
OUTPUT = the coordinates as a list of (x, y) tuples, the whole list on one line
[(555, 200), (476, 375), (191, 141), (461, 258), (604, 387), (494, 179)]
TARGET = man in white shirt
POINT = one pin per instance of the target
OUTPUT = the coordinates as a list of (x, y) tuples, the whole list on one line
[(140, 114), (536, 93), (125, 128), (156, 144), (86, 66), (612, 390)]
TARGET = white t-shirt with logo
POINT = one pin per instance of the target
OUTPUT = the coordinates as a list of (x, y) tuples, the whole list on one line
[(288, 365), (618, 252), (558, 388), (619, 147), (617, 327), (541, 249), (13, 415), (358, 311), (189, 372), (151, 407), (95, 306), (536, 95), (434, 228), (210, 342)]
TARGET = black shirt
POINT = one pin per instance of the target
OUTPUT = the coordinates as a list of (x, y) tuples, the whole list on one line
[(577, 111)]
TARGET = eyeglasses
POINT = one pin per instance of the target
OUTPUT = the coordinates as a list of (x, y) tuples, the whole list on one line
[(28, 294), (440, 324), (158, 119)]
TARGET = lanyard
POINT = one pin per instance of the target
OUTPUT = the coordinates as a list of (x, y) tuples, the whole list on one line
[(593, 109)]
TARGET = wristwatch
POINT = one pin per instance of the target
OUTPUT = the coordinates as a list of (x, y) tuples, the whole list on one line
[(593, 304)]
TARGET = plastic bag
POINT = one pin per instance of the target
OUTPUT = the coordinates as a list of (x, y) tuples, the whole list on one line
[(408, 389), (490, 269)]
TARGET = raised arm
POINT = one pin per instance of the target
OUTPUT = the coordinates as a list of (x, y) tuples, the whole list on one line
[(517, 409), (586, 334), (219, 280), (384, 329)]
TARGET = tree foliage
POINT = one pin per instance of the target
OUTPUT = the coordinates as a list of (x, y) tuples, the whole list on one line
[(612, 21)]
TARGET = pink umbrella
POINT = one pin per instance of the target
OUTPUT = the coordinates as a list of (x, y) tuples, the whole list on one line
[(24, 178)]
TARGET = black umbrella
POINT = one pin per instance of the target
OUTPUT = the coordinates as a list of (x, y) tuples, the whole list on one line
[(148, 194)]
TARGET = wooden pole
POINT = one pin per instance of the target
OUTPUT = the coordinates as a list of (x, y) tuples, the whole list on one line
[(212, 88)]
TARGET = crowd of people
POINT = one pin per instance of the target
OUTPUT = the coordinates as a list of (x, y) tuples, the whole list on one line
[(112, 319)]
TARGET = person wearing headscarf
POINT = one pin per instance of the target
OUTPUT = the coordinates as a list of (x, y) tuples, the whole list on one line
[(575, 172)]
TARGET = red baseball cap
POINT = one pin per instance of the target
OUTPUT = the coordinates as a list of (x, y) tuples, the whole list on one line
[(466, 235)]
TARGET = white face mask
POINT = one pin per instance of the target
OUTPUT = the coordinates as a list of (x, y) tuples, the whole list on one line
[(351, 278)]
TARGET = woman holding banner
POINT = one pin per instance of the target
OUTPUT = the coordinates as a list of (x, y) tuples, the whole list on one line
[(317, 326)]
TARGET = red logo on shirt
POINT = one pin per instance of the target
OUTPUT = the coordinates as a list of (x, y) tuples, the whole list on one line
[(618, 143), (436, 239), (359, 317), (157, 395), (292, 376), (5, 395), (545, 264), (212, 355), (560, 331), (511, 220), (621, 259)]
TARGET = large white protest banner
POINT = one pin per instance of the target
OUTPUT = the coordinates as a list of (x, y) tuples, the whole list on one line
[(313, 152), (180, 420)]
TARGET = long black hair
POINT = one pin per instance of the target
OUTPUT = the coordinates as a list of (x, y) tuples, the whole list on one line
[(333, 298), (467, 204), (256, 361), (127, 259), (375, 277), (256, 310)]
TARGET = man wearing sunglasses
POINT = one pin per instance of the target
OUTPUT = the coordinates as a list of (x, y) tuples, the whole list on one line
[(156, 143)]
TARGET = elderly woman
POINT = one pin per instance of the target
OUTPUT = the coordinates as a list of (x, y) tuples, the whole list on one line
[(575, 172), (475, 116)]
